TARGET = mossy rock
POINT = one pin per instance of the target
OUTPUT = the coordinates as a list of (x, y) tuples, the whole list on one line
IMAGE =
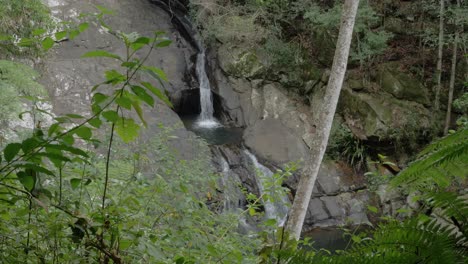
[(401, 85), (381, 116), (241, 62)]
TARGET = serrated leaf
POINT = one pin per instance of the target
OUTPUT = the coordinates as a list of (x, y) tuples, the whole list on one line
[(11, 150), (75, 183), (143, 95), (127, 129), (252, 211), (111, 116), (100, 53), (124, 102), (47, 43)]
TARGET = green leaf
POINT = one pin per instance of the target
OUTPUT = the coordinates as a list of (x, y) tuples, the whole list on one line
[(155, 72), (29, 144), (11, 150), (99, 98), (84, 132), (143, 95), (139, 111), (83, 26), (163, 43), (38, 32), (111, 116), (129, 64), (104, 10), (95, 122), (47, 43), (33, 166), (124, 102), (114, 77), (70, 149), (73, 34), (75, 183), (252, 211), (25, 42), (27, 180), (157, 92), (127, 129), (74, 116), (100, 53), (60, 35), (372, 209)]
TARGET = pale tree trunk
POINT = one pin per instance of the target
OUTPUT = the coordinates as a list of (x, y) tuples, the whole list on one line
[(452, 77), (439, 55), (323, 121)]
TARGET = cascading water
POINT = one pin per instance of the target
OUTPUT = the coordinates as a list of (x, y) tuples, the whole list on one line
[(206, 118), (278, 209)]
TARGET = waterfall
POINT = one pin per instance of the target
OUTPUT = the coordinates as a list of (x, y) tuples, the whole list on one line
[(277, 209), (206, 118)]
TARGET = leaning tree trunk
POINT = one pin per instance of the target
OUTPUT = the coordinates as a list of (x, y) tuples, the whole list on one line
[(323, 121), (439, 55), (452, 77)]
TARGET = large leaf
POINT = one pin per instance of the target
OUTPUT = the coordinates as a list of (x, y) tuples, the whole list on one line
[(127, 129), (11, 150)]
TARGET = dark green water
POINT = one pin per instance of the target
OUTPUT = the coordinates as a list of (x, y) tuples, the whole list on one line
[(214, 135)]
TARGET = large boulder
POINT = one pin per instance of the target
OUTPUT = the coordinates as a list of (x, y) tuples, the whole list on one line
[(271, 140), (69, 78), (401, 85), (380, 115)]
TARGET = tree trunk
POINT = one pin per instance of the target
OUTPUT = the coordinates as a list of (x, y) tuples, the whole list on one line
[(439, 55), (323, 120), (452, 77)]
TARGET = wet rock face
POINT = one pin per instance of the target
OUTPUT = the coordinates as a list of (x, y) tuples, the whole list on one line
[(69, 79)]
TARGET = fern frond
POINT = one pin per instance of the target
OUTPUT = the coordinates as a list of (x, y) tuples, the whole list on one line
[(438, 164), (408, 242), (455, 208)]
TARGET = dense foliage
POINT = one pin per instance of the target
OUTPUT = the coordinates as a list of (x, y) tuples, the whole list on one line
[(73, 192)]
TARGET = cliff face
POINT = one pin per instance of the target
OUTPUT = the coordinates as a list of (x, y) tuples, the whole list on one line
[(277, 121)]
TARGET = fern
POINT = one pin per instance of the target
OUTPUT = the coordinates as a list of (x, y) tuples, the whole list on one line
[(438, 164), (407, 242)]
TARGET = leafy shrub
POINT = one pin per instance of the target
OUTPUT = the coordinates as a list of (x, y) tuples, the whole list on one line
[(17, 80), (344, 145), (21, 19)]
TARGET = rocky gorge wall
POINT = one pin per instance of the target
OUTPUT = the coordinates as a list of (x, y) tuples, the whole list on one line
[(278, 125)]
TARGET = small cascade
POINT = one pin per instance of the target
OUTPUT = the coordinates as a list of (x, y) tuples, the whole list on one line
[(277, 209), (206, 118), (232, 196)]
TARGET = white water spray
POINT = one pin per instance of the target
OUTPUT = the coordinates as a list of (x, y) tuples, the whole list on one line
[(273, 209), (206, 118)]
